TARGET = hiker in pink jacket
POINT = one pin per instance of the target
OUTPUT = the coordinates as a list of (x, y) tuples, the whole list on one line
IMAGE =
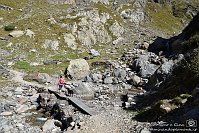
[(61, 82)]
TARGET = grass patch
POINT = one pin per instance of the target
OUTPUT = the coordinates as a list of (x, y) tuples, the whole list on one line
[(71, 20), (162, 18), (22, 65)]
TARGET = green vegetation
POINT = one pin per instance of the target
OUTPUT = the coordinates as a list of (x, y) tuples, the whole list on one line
[(162, 18), (22, 65), (71, 20), (9, 27)]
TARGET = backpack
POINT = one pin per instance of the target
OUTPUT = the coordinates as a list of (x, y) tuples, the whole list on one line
[(61, 81)]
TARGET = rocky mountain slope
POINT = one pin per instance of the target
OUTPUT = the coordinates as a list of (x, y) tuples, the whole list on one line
[(58, 30), (133, 62)]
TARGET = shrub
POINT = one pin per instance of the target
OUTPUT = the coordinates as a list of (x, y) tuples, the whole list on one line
[(9, 27)]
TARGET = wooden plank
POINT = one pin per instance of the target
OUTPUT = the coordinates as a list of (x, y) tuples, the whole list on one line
[(74, 101), (81, 105)]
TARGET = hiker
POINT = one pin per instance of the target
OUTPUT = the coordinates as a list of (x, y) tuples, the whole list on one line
[(61, 82)]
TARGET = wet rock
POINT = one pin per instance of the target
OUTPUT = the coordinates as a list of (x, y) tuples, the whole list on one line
[(78, 69), (17, 33)]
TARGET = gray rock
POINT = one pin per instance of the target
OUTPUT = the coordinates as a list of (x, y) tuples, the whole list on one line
[(135, 80), (41, 119), (164, 70), (18, 91), (90, 32), (119, 73), (39, 77), (48, 126), (162, 73), (78, 69), (119, 41), (17, 33), (6, 8), (34, 99), (6, 114), (137, 16), (29, 33), (52, 44), (70, 40), (108, 80), (145, 130), (4, 72), (49, 62), (85, 90), (22, 109), (94, 52), (4, 53), (116, 29), (96, 77), (143, 66)]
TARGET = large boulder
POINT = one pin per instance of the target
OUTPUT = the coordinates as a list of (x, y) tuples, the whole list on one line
[(85, 90), (143, 66), (78, 69)]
